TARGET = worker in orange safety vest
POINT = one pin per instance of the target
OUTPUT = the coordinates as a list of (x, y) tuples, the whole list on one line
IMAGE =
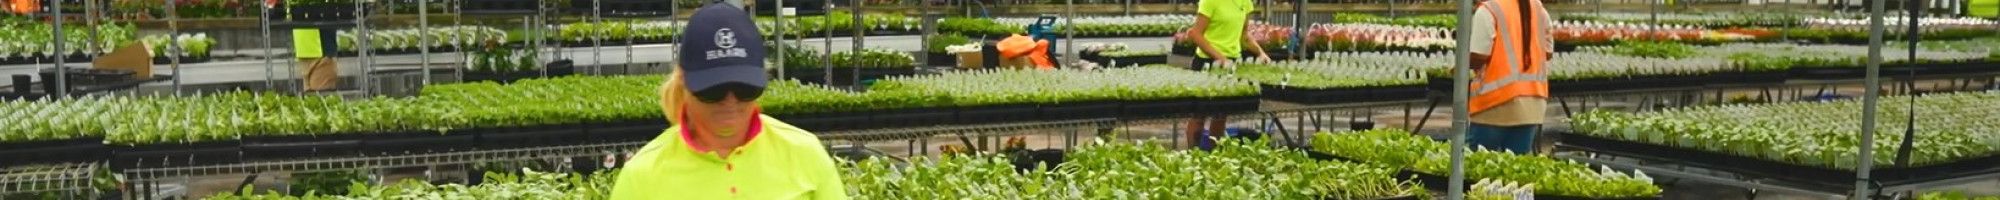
[(1510, 47)]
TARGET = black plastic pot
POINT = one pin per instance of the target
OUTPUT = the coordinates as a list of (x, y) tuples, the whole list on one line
[(941, 59), (517, 137), (1157, 108), (298, 146), (319, 13), (910, 117), (499, 6), (1082, 110), (997, 113), (627, 131), (176, 155), (1227, 105), (825, 121), (84, 149), (419, 142)]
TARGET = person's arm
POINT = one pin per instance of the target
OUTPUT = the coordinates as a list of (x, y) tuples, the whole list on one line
[(1201, 40), (1254, 46), (1482, 38)]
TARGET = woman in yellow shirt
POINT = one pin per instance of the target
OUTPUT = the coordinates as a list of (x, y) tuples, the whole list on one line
[(1218, 33)]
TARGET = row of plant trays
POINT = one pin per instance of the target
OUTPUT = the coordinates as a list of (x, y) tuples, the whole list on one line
[(1836, 179), (1436, 182), (80, 58), (845, 75), (1895, 70), (272, 148), (614, 42), (1343, 95), (1122, 61), (916, 117), (1601, 84), (314, 13), (555, 69)]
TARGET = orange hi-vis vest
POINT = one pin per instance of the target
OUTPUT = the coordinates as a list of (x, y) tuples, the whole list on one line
[(1516, 68)]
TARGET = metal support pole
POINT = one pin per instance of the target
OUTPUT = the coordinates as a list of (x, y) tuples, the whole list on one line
[(828, 38), (860, 30), (1653, 18), (1069, 33), (173, 47), (1869, 101), (62, 75), (362, 41), (1298, 37), (90, 15), (424, 50), (264, 23), (597, 41), (1460, 121), (779, 24)]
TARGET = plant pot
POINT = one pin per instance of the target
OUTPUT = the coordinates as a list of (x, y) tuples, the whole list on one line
[(1083, 110), (829, 121), (83, 149), (320, 13), (1227, 105), (176, 155), (940, 59), (1156, 108), (910, 117), (997, 113), (500, 6), (298, 146), (419, 142), (546, 135), (627, 131)]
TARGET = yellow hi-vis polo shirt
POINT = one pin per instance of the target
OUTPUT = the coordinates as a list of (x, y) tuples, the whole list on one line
[(779, 162)]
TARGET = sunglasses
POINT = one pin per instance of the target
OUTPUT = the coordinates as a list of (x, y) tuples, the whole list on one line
[(744, 92)]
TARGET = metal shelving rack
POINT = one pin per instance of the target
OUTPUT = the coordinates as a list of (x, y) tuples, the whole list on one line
[(72, 179)]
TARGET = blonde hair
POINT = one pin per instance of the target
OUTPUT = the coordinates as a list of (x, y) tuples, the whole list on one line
[(672, 94)]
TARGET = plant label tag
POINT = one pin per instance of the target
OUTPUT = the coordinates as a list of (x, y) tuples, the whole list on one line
[(789, 11)]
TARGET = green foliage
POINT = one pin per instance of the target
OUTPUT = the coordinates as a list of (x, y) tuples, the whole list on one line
[(937, 43), (1651, 49), (1953, 195), (24, 38), (1812, 133), (1109, 171), (1401, 149), (335, 182), (527, 186), (977, 26), (465, 37), (998, 87), (617, 31)]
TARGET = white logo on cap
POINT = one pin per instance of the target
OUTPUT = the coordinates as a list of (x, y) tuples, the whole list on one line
[(725, 38), (725, 43)]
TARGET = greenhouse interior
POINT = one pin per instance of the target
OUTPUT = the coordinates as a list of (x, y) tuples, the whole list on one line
[(1000, 99)]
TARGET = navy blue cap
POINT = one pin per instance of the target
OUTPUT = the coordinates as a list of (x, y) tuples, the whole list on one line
[(721, 45)]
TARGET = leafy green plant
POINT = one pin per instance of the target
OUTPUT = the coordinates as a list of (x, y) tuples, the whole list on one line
[(1804, 134), (1108, 171), (938, 43), (528, 185), (1953, 195), (334, 182), (1653, 49), (1401, 149), (999, 87)]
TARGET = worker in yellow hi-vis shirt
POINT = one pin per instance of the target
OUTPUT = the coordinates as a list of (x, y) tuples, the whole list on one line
[(720, 147), (319, 71)]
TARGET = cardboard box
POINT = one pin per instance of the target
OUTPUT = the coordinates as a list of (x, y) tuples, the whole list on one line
[(321, 73), (970, 60)]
